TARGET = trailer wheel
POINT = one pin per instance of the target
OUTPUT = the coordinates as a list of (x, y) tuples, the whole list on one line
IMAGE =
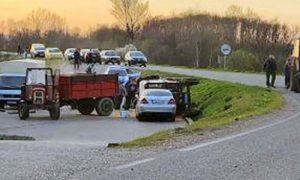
[(105, 107), (55, 112), (86, 107), (23, 111)]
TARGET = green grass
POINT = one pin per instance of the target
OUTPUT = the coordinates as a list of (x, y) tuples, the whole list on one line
[(15, 138), (222, 103)]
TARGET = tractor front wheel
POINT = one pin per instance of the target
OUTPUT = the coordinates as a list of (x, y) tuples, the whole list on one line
[(55, 112), (23, 111)]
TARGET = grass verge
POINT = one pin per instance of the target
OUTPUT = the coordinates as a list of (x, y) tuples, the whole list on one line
[(15, 138), (222, 103)]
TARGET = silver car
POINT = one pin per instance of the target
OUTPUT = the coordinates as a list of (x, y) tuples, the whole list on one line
[(156, 103)]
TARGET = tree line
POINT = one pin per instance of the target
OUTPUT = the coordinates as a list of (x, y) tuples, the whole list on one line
[(172, 41)]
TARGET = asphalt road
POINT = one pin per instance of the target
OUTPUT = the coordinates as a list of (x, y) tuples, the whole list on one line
[(263, 151), (268, 151), (75, 128), (243, 78)]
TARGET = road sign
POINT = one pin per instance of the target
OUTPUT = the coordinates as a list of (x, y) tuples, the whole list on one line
[(226, 49)]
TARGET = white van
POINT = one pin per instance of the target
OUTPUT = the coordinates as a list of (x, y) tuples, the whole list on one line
[(37, 50)]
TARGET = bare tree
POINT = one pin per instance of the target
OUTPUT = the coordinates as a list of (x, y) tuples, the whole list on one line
[(131, 14)]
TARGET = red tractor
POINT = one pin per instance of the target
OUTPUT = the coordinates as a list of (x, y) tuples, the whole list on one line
[(40, 91), (85, 92)]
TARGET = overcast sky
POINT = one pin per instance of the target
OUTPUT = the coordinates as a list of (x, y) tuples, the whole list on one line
[(84, 13)]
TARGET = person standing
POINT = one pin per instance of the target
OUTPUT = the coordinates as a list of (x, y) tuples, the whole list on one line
[(77, 59), (19, 50), (132, 89), (270, 67), (287, 72)]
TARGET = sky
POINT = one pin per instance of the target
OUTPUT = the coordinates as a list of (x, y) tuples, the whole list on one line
[(86, 13)]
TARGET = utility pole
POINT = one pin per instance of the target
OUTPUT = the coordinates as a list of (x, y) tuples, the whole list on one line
[(198, 54)]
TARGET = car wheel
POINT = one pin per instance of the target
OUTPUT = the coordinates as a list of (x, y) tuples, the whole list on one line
[(172, 118)]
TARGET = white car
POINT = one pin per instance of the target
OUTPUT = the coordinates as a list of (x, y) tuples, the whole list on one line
[(135, 58), (110, 56), (156, 103), (53, 53), (37, 50), (69, 53), (121, 71), (83, 52)]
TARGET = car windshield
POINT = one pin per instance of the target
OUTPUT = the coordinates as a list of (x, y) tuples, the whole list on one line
[(95, 50), (110, 53), (40, 48), (72, 50), (157, 93), (54, 50), (117, 71), (11, 81), (136, 54)]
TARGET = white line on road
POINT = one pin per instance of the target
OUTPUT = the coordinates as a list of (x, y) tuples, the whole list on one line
[(132, 164), (237, 135)]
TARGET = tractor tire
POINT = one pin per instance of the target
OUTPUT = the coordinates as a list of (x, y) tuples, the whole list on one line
[(23, 111), (55, 112), (105, 107), (86, 107)]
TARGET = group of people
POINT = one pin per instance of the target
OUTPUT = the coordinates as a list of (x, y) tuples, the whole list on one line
[(78, 60), (270, 67), (127, 94)]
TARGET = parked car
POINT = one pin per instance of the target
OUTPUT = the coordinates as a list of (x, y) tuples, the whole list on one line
[(83, 52), (133, 73), (53, 53), (10, 89), (69, 53), (110, 56), (37, 50), (94, 54), (135, 58), (156, 103), (121, 71)]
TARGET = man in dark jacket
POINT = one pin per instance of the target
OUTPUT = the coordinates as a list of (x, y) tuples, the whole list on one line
[(287, 72), (77, 59), (270, 67)]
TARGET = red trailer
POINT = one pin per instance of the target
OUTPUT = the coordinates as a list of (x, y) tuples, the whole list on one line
[(84, 92), (87, 92)]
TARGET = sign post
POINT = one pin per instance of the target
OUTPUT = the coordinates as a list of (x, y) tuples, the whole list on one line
[(226, 50)]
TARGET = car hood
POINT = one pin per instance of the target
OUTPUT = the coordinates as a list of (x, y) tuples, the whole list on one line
[(10, 92)]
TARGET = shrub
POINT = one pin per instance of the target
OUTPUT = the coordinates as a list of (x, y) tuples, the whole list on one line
[(242, 60)]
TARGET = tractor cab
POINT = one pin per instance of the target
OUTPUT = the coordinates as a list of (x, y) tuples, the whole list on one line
[(40, 91), (295, 67)]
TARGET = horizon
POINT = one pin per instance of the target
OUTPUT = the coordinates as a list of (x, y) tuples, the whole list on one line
[(97, 12)]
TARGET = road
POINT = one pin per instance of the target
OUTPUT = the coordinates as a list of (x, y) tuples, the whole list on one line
[(268, 150), (243, 78), (75, 128)]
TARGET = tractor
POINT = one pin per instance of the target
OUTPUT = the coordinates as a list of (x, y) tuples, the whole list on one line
[(295, 68), (40, 92)]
